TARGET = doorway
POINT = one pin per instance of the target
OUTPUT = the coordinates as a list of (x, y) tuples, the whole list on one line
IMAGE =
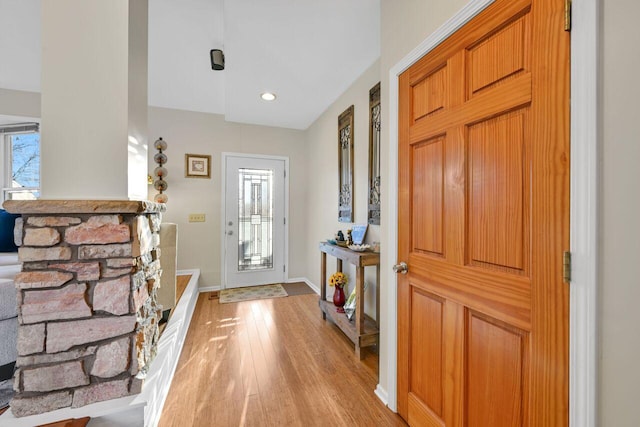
[(254, 230)]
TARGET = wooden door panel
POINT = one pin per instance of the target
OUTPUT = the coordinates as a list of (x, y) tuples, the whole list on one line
[(512, 95), (429, 94), (483, 219), (502, 298), (496, 373), (427, 160), (487, 63), (498, 192), (426, 348), (420, 415), (469, 36)]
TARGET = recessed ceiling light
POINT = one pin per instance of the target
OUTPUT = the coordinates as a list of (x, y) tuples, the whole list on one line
[(268, 96)]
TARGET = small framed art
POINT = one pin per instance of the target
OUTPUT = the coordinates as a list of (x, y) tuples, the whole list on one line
[(358, 231), (197, 166)]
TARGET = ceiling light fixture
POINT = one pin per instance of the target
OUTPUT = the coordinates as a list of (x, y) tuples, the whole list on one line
[(268, 96), (217, 59)]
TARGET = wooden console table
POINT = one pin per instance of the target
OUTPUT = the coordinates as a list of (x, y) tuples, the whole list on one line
[(364, 331)]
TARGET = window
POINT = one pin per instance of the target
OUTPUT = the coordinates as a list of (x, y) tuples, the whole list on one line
[(21, 162)]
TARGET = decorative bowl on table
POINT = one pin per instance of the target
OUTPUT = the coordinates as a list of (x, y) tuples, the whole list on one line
[(342, 243), (359, 248), (331, 241)]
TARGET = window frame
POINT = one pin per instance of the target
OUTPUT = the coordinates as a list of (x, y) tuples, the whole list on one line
[(6, 154)]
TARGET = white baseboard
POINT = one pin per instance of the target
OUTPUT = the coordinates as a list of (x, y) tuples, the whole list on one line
[(210, 289), (382, 394), (315, 288)]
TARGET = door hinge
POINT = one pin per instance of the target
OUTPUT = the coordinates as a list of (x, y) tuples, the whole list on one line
[(285, 174), (284, 268), (567, 15), (566, 267), (285, 221)]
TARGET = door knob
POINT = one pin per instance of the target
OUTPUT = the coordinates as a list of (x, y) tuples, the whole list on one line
[(401, 268)]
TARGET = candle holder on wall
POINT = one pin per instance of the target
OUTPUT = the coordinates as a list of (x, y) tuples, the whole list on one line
[(160, 172)]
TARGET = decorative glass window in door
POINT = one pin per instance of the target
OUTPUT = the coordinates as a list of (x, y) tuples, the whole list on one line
[(255, 219)]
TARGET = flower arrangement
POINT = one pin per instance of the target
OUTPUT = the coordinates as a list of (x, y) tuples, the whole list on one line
[(338, 279)]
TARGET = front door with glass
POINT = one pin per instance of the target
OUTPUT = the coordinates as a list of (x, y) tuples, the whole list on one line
[(254, 226)]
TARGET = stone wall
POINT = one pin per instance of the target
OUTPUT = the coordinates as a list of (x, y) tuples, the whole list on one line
[(87, 310)]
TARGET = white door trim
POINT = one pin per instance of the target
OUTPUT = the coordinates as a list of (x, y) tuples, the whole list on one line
[(585, 198), (223, 182), (585, 95)]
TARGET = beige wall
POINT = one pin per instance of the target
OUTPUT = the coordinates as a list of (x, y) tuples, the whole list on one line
[(620, 210), (322, 158), (84, 99), (137, 165), (201, 133)]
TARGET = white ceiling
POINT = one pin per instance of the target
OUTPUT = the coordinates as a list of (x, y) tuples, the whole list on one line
[(306, 51)]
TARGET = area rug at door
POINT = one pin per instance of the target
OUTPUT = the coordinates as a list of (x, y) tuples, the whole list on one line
[(252, 293)]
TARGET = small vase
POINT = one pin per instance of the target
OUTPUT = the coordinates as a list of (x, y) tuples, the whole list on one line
[(338, 299)]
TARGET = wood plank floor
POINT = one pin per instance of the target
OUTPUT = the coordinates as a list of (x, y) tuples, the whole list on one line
[(271, 362), (181, 284)]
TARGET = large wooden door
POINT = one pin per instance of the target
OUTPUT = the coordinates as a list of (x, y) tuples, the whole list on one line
[(483, 222)]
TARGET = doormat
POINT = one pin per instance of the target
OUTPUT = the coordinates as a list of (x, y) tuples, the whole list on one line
[(251, 293), (297, 288)]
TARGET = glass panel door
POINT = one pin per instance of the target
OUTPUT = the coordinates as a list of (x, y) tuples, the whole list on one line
[(254, 226)]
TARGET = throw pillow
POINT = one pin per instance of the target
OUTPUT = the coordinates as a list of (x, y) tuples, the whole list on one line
[(7, 223)]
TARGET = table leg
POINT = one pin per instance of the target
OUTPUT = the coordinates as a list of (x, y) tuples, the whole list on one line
[(360, 300), (323, 280), (378, 296)]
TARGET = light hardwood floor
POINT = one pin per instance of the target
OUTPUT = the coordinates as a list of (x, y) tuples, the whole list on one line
[(271, 363)]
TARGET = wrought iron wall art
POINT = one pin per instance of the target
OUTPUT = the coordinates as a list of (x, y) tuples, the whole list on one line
[(345, 165), (160, 172), (374, 155)]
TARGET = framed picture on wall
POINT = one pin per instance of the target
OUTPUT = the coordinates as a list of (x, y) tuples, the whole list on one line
[(197, 166)]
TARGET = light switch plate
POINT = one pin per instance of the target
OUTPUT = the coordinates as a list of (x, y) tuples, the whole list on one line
[(196, 217)]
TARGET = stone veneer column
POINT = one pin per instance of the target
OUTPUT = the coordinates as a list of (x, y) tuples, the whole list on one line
[(87, 310)]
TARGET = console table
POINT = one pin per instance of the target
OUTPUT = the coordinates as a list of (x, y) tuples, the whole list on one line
[(364, 331)]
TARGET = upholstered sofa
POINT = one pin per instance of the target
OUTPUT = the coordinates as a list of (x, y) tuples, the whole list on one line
[(9, 267)]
